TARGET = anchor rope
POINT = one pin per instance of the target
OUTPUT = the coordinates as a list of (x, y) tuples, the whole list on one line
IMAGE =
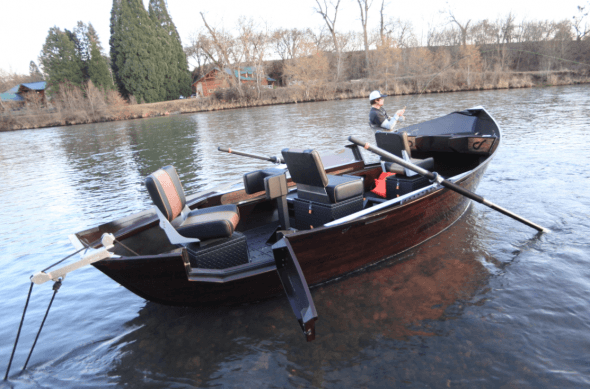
[(18, 333), (56, 287)]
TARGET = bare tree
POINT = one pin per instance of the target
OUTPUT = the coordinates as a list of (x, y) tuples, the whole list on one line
[(463, 27), (254, 42), (402, 32), (197, 50), (287, 43), (223, 51), (580, 24), (217, 46), (319, 37), (447, 36), (382, 22), (485, 32), (309, 72), (364, 6), (508, 28), (331, 23)]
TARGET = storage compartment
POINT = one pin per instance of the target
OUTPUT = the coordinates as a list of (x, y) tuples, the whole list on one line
[(310, 214), (400, 185), (219, 253)]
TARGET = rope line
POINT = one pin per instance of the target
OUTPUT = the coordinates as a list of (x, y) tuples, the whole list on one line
[(56, 287), (121, 243), (18, 333), (61, 260)]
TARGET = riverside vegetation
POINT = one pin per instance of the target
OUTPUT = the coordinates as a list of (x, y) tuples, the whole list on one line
[(314, 65), (74, 105)]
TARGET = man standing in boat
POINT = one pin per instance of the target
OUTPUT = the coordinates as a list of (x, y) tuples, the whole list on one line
[(378, 118)]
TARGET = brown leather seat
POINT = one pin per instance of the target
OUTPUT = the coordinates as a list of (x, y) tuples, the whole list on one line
[(167, 194)]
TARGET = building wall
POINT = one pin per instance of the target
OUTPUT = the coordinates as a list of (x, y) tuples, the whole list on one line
[(212, 82)]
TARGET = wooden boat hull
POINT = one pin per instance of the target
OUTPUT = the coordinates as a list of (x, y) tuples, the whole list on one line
[(323, 253)]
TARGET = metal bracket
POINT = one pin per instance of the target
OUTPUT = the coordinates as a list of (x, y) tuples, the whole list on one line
[(108, 241), (406, 157), (173, 236)]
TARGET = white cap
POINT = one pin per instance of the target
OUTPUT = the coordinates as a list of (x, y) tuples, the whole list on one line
[(375, 95)]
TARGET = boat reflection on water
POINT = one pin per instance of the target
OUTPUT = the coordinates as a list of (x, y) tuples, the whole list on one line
[(395, 300)]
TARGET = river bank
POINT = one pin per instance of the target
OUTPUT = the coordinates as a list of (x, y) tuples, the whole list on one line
[(32, 117)]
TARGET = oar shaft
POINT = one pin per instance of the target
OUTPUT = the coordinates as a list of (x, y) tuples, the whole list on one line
[(447, 184), (275, 159), (514, 216), (479, 199)]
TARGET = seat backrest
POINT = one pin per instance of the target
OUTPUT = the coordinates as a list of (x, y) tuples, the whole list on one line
[(166, 191), (393, 142), (272, 181), (305, 167)]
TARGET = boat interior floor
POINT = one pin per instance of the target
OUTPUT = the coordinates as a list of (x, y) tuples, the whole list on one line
[(257, 238)]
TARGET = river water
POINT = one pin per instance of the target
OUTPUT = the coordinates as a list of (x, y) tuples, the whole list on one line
[(488, 303)]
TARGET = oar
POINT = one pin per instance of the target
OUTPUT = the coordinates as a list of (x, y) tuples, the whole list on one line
[(447, 184), (275, 159)]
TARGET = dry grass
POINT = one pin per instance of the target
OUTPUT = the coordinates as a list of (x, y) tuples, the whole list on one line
[(74, 106)]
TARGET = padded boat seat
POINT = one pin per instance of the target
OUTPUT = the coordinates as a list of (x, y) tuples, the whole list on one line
[(397, 144), (274, 183), (392, 167), (341, 188), (209, 223), (167, 194), (313, 184), (320, 198)]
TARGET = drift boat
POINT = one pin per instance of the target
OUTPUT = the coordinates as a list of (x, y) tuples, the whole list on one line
[(306, 221)]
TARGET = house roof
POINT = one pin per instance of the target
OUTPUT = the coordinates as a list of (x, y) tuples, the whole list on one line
[(39, 85), (13, 94), (8, 96)]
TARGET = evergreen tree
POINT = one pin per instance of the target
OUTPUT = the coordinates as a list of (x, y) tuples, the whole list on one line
[(60, 60), (98, 67), (79, 36), (137, 52), (178, 79), (113, 44), (34, 71)]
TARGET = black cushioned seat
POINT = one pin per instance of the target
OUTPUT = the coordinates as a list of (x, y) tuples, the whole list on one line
[(341, 188), (395, 143), (307, 171), (209, 223), (167, 194), (262, 180), (321, 198)]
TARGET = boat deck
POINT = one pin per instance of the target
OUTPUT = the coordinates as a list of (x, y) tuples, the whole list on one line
[(256, 238)]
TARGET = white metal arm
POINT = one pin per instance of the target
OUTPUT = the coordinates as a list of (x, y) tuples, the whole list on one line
[(107, 243)]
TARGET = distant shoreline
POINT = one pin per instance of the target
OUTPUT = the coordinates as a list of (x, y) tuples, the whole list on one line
[(44, 118)]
